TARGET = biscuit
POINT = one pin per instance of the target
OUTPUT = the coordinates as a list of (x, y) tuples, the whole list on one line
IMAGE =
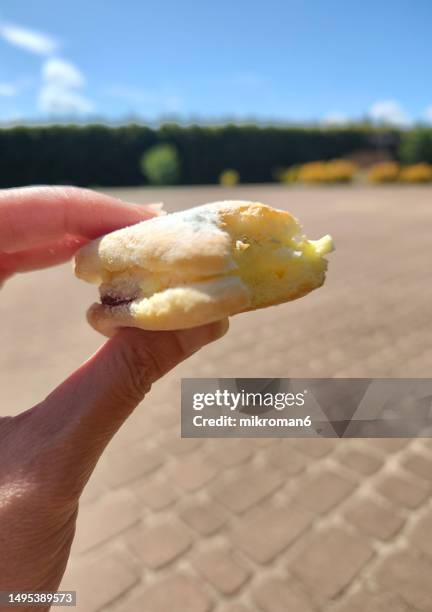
[(200, 265)]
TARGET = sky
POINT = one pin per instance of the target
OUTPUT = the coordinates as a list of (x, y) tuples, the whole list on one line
[(327, 61)]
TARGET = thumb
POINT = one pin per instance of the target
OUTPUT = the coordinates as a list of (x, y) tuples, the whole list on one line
[(78, 419)]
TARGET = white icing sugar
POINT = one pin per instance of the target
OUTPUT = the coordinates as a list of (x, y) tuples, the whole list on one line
[(206, 216)]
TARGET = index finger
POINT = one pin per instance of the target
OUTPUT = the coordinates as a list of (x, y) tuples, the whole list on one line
[(35, 215)]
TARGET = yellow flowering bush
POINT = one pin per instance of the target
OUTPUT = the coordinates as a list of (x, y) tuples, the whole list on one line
[(313, 172), (229, 178), (340, 171), (417, 173), (334, 171), (384, 172), (288, 175)]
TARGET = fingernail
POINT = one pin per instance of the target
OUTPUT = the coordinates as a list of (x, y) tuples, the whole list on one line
[(156, 207), (220, 328), (193, 339)]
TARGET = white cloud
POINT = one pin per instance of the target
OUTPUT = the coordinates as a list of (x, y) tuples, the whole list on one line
[(56, 100), (30, 40), (8, 89), (335, 118), (60, 92), (388, 111), (62, 72), (62, 81)]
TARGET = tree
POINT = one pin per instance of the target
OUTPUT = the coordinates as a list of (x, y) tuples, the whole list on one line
[(161, 165), (416, 146)]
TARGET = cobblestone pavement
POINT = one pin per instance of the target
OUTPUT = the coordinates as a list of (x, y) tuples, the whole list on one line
[(171, 525)]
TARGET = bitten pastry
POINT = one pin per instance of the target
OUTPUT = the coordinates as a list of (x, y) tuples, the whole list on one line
[(200, 265)]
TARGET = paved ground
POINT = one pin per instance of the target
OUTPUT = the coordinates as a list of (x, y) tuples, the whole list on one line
[(171, 525)]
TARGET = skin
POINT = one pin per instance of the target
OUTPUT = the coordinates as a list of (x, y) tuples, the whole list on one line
[(48, 453)]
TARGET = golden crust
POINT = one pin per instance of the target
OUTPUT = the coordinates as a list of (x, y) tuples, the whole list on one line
[(192, 240)]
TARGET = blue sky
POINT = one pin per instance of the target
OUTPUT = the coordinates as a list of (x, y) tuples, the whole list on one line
[(278, 60)]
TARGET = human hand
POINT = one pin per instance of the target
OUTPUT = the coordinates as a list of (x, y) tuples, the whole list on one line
[(48, 453)]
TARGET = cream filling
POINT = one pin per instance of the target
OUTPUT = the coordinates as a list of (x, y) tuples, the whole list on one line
[(267, 267)]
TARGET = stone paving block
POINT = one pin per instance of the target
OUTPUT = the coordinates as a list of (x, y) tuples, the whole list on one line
[(365, 601), (229, 453), (105, 518), (248, 489), (98, 580), (165, 415), (233, 607), (323, 491), (123, 466), (277, 595), (328, 563), (314, 447), (157, 546), (94, 489), (373, 519), (403, 492), (155, 495), (174, 443), (420, 465), (264, 537), (222, 570), (171, 594), (388, 445), (408, 576), (204, 518), (359, 461), (421, 535), (259, 443), (283, 456), (193, 472)]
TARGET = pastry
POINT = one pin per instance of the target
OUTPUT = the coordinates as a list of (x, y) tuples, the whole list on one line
[(200, 265)]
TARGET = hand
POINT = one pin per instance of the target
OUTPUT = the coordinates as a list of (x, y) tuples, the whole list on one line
[(48, 453)]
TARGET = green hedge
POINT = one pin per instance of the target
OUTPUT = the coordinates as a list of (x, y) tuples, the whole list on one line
[(98, 155), (416, 146)]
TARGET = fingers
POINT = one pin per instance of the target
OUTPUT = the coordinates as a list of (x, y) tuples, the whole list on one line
[(80, 417), (33, 216), (38, 257)]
